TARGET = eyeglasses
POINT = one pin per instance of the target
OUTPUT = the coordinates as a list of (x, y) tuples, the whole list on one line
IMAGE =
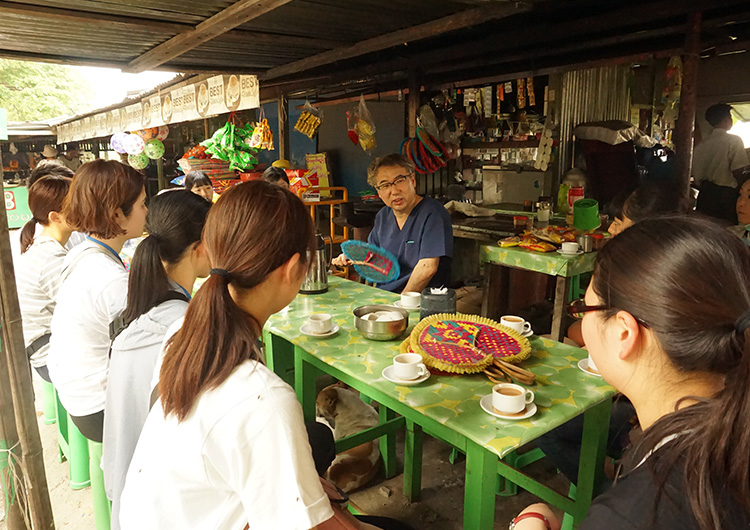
[(396, 182), (578, 309)]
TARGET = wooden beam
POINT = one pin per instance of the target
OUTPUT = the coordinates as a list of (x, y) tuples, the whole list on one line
[(412, 104), (455, 22), (235, 15), (685, 126), (282, 105)]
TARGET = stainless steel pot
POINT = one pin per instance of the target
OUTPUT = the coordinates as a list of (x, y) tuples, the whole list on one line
[(380, 330)]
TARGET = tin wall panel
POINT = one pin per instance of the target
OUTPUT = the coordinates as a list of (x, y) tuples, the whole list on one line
[(595, 94)]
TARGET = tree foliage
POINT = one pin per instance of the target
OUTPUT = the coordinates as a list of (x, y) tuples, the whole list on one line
[(33, 91)]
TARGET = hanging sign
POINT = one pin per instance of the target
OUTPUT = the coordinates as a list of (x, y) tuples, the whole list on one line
[(219, 94)]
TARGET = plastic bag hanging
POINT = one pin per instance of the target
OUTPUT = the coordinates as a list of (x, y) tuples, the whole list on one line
[(364, 126), (309, 120)]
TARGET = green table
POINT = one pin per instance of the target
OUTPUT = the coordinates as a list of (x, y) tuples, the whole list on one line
[(446, 407), (497, 260)]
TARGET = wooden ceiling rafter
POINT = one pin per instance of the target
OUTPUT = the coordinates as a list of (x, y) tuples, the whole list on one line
[(225, 20), (426, 30)]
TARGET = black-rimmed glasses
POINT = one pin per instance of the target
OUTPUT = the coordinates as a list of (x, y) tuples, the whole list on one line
[(578, 309), (396, 182)]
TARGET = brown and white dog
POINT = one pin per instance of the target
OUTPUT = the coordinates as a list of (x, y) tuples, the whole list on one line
[(347, 414)]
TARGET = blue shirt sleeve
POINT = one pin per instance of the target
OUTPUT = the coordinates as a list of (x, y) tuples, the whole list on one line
[(437, 235)]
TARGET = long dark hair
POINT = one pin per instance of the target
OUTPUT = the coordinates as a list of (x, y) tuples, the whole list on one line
[(45, 195), (174, 224), (196, 178), (653, 199), (687, 280), (251, 231)]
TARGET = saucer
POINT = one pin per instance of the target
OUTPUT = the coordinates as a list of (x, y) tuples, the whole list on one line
[(583, 364), (486, 403), (304, 329), (570, 253), (398, 304), (390, 376), (527, 334)]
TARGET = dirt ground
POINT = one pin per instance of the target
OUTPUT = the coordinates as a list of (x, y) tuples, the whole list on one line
[(440, 506)]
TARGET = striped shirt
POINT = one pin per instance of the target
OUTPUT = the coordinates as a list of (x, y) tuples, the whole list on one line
[(38, 280)]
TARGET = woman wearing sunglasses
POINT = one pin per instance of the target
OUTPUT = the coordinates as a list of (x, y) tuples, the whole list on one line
[(667, 320)]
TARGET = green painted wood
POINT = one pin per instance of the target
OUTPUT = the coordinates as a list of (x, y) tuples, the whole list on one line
[(479, 491), (388, 442), (550, 263), (387, 427), (413, 461)]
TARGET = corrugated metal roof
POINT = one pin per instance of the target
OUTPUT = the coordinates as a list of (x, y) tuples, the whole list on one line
[(549, 33)]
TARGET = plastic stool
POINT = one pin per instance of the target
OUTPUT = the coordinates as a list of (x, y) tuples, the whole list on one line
[(102, 506), (48, 403), (73, 447)]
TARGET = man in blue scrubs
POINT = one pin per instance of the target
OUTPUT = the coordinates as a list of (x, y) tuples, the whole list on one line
[(417, 230)]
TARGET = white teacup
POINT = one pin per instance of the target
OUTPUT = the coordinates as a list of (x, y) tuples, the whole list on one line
[(592, 365), (515, 323), (508, 398), (410, 299), (569, 247), (409, 366), (320, 323)]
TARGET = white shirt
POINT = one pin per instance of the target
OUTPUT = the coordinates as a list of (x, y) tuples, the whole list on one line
[(74, 239), (38, 281), (717, 156), (90, 298), (241, 456)]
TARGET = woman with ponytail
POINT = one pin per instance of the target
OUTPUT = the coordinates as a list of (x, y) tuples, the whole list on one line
[(667, 321), (162, 273), (40, 266), (225, 445)]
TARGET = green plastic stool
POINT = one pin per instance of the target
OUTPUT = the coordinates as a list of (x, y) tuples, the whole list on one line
[(102, 506), (49, 403), (73, 447)]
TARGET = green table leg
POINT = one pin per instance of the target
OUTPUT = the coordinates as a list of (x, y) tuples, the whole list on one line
[(388, 443), (279, 356), (304, 383), (479, 492), (593, 452), (413, 461)]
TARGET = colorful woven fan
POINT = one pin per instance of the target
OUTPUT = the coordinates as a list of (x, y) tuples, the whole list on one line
[(372, 263), (466, 343)]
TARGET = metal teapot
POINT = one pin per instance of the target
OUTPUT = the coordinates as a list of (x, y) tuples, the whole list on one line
[(316, 279)]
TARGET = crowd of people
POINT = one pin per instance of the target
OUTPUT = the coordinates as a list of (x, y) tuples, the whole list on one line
[(174, 385)]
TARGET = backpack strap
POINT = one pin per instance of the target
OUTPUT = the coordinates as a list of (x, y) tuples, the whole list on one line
[(38, 344), (118, 325)]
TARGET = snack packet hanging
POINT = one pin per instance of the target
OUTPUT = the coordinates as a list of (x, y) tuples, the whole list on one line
[(309, 120), (364, 126)]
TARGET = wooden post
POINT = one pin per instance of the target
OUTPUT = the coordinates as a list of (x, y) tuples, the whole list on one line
[(282, 105), (160, 173), (22, 392), (685, 127), (413, 103)]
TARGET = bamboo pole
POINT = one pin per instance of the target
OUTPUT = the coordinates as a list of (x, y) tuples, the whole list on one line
[(8, 439), (21, 387)]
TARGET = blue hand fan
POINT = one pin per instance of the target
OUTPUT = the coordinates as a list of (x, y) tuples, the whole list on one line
[(372, 263)]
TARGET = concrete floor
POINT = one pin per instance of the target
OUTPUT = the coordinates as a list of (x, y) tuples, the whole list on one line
[(440, 506)]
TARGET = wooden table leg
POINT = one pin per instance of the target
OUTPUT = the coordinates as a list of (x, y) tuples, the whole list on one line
[(495, 290), (413, 461), (304, 383), (279, 356), (479, 491), (388, 443), (562, 285), (593, 452)]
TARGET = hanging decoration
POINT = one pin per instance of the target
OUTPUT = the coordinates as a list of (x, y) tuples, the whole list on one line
[(117, 142), (154, 149), (134, 144), (231, 143), (139, 161), (163, 132)]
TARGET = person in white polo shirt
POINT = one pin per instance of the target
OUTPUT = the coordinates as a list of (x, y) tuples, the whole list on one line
[(38, 270), (107, 200)]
